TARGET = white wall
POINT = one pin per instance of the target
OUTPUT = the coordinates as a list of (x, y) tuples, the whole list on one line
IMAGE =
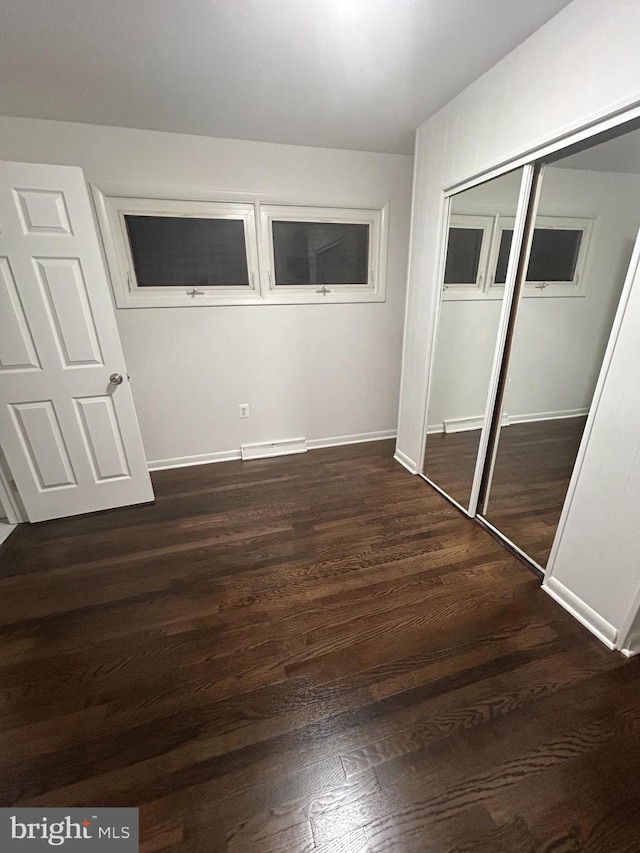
[(581, 66), (306, 370), (559, 341)]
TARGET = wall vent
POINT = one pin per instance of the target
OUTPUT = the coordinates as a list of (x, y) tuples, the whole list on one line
[(464, 424), (273, 448)]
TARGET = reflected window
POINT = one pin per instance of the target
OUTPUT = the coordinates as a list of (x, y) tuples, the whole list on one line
[(557, 254), (463, 255), (468, 248)]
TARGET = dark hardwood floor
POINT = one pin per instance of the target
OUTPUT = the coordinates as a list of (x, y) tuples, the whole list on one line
[(312, 653), (530, 478)]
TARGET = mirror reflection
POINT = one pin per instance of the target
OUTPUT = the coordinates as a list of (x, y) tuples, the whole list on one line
[(587, 219), (471, 303)]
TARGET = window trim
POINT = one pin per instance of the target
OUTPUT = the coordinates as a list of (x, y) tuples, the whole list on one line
[(127, 293), (111, 210), (374, 290)]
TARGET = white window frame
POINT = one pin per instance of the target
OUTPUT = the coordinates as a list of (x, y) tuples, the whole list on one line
[(477, 288), (540, 289), (111, 212), (373, 290), (257, 218), (486, 288)]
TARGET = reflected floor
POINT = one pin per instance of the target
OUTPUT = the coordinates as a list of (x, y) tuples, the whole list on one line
[(530, 480), (450, 462)]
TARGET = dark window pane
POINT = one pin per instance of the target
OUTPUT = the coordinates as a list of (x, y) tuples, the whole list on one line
[(463, 255), (503, 256), (554, 255), (320, 253), (187, 252)]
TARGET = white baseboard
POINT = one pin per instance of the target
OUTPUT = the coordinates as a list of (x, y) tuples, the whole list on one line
[(358, 438), (200, 459), (231, 455), (477, 421), (405, 461), (581, 611), (631, 645), (630, 653)]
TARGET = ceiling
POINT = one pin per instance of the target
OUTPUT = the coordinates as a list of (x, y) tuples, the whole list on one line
[(621, 154), (359, 74)]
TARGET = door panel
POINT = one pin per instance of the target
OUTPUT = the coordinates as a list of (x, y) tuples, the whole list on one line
[(43, 444), (102, 437), (70, 435), (66, 297), (16, 344), (42, 212)]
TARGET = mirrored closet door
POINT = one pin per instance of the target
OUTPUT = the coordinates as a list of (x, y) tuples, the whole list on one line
[(530, 289), (586, 222), (470, 315)]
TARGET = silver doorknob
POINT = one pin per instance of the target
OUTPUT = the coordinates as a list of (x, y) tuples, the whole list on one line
[(116, 379)]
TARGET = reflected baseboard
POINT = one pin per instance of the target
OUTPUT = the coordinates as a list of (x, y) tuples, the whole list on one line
[(475, 422)]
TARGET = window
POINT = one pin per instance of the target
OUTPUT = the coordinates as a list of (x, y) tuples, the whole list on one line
[(556, 259), (478, 253), (323, 254), (184, 253), (173, 253), (308, 253), (467, 253)]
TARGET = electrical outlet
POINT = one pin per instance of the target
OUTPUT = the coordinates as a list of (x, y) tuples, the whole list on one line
[(245, 411)]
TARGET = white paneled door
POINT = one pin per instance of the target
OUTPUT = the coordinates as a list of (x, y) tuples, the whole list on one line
[(68, 426)]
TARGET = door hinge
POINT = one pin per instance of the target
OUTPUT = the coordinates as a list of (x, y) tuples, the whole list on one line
[(13, 485)]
